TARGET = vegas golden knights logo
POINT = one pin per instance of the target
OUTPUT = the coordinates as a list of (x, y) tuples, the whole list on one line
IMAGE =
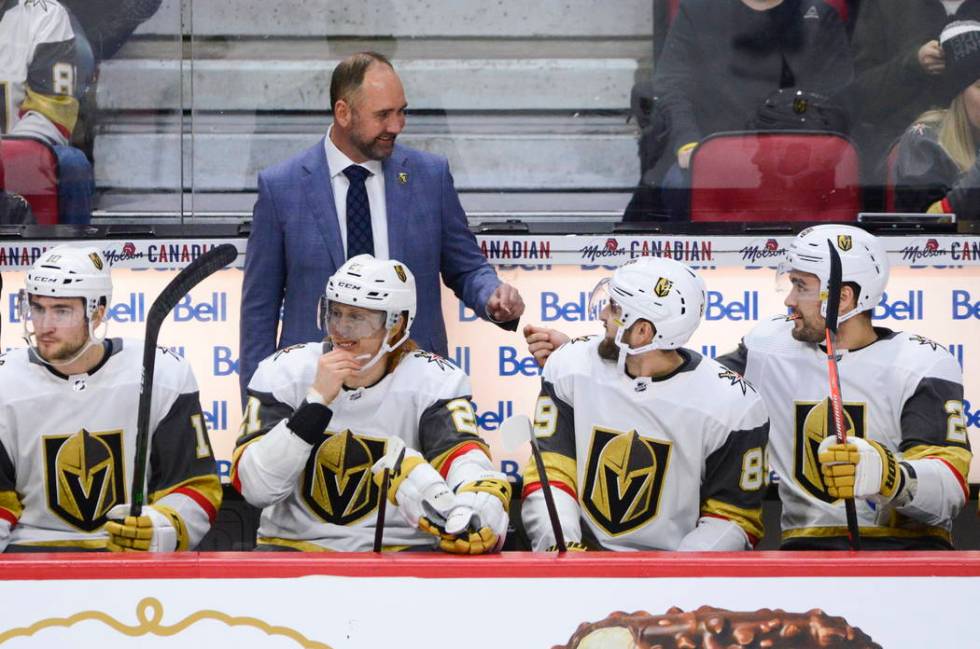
[(844, 242), (812, 426), (84, 476), (96, 260), (624, 479), (337, 483), (401, 273), (662, 289)]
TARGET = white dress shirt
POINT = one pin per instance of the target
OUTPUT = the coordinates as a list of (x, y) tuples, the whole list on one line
[(375, 186)]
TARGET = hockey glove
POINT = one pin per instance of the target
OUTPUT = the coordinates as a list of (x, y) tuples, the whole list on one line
[(860, 469), (421, 494), (154, 531), (478, 522)]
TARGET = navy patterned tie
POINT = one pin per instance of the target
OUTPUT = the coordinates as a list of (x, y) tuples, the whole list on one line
[(360, 239)]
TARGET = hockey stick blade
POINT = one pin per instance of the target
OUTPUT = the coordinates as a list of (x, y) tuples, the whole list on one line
[(516, 430), (192, 275), (835, 413)]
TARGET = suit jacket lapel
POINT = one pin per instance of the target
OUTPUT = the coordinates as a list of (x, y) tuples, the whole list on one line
[(319, 195), (398, 201)]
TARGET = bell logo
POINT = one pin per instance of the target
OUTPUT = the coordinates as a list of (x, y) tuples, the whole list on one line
[(662, 289), (844, 242)]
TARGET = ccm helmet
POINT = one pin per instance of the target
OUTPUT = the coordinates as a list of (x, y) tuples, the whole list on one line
[(384, 285), (863, 261), (663, 291)]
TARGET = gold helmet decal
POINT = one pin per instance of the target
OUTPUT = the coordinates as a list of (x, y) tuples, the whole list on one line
[(811, 429), (662, 289), (401, 273), (96, 260), (338, 484), (623, 479), (84, 476), (844, 242)]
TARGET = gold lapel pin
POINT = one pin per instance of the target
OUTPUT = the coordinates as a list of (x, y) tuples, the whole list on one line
[(402, 177)]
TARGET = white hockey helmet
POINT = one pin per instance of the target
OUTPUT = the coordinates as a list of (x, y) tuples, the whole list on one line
[(385, 285), (68, 272), (663, 291), (864, 261)]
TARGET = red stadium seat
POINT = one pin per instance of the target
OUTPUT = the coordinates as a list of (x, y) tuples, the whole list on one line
[(775, 176), (31, 170), (841, 7), (672, 7)]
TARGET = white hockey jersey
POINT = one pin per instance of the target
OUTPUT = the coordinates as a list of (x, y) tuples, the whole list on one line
[(37, 70), (327, 500), (67, 445), (646, 458), (903, 391)]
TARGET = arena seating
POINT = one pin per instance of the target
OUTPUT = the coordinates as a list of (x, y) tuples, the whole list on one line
[(31, 170), (528, 101), (775, 176)]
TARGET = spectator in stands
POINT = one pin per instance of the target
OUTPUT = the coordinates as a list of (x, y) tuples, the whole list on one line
[(898, 70), (38, 65), (357, 191), (937, 169), (723, 58), (38, 68)]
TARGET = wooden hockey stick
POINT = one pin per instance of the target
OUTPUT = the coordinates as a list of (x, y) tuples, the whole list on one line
[(515, 431), (197, 271), (835, 416)]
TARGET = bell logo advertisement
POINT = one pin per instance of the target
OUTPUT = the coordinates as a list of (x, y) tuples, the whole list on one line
[(941, 304)]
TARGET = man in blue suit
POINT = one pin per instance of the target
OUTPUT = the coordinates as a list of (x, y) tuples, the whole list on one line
[(357, 191)]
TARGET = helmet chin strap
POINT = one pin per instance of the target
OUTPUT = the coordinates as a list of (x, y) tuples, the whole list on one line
[(625, 350), (386, 347)]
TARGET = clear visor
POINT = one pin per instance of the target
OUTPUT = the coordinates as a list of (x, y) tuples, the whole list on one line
[(600, 300), (345, 322), (60, 315), (798, 285)]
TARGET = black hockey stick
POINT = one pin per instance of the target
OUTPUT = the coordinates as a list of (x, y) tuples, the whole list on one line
[(514, 431), (379, 525), (835, 416), (192, 275)]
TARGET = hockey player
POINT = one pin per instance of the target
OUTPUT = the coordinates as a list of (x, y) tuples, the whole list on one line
[(319, 415), (650, 444), (907, 455), (68, 410), (37, 70)]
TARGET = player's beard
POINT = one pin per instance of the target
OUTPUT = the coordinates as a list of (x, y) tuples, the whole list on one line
[(64, 351), (808, 331), (608, 349)]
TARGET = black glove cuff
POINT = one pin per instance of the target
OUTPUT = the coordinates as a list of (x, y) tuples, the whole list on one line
[(309, 421)]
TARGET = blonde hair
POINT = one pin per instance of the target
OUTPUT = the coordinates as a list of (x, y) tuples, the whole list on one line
[(955, 132)]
